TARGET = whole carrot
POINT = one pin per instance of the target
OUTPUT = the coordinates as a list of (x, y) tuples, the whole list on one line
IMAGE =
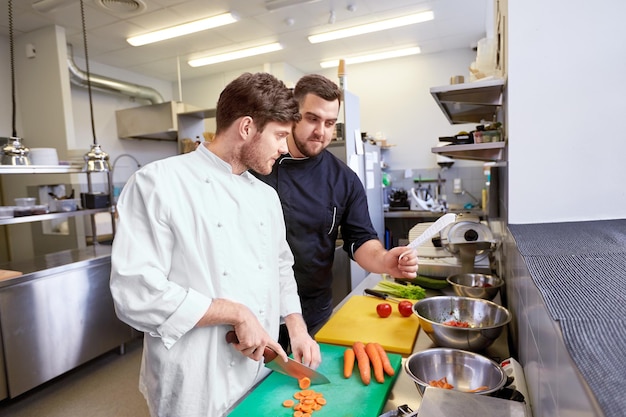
[(363, 361), (348, 362), (377, 364), (385, 360)]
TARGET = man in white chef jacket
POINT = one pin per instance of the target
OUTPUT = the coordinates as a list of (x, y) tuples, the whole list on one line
[(201, 249)]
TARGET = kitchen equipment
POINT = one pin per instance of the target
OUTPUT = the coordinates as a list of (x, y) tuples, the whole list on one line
[(291, 368), (464, 246), (475, 285), (486, 321), (441, 222), (421, 199), (94, 200), (445, 403), (345, 397), (25, 201), (6, 212), (44, 156), (399, 199), (464, 370), (357, 320), (15, 153), (460, 139)]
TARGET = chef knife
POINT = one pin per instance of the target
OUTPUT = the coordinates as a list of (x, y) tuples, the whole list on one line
[(290, 368), (381, 295)]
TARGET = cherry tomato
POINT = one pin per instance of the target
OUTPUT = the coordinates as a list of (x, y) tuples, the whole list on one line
[(384, 310), (405, 308)]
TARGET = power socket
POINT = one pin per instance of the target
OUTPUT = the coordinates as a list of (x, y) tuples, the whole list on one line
[(457, 188)]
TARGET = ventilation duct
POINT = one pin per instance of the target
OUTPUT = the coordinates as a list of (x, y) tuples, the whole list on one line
[(101, 83)]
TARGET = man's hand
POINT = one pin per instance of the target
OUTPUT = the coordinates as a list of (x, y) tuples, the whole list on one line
[(405, 267)]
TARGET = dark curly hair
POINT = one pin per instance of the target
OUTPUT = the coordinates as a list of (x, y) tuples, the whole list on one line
[(260, 96)]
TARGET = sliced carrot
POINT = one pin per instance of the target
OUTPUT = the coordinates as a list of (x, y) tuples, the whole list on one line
[(348, 362), (288, 403), (363, 362), (306, 414), (306, 392), (321, 401), (377, 364), (304, 382), (385, 359), (297, 413)]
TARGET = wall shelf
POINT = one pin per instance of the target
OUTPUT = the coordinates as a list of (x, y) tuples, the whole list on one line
[(473, 102), (491, 151), (52, 216)]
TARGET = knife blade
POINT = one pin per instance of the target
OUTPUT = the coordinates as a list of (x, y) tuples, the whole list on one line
[(290, 368)]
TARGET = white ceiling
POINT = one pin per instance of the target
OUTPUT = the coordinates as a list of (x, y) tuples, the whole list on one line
[(457, 24)]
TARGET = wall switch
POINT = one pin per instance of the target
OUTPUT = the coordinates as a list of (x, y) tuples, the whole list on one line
[(458, 189)]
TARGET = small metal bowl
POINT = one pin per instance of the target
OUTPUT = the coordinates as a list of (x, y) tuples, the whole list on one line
[(475, 285), (466, 371), (486, 321)]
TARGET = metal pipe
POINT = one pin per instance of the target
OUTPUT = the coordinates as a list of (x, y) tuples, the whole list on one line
[(99, 82)]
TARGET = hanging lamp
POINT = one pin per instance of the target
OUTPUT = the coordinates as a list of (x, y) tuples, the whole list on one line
[(14, 152), (96, 160)]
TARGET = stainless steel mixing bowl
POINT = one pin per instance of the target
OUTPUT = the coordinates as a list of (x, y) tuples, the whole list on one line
[(464, 370), (485, 319), (475, 285)]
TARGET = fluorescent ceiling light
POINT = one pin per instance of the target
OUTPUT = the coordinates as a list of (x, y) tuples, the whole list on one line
[(230, 56), (373, 27), (184, 29), (272, 5), (373, 57)]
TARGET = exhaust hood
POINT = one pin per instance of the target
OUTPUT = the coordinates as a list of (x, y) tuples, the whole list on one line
[(171, 120)]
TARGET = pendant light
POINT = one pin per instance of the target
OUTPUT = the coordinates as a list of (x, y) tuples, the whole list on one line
[(14, 152), (96, 160)]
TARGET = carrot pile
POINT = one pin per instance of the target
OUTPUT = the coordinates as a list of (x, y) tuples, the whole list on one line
[(308, 401), (369, 357)]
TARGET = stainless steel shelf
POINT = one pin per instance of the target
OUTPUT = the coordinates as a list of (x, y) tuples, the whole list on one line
[(473, 102), (40, 169), (490, 151), (51, 216)]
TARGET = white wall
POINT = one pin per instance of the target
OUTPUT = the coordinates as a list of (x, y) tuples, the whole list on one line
[(565, 92), (394, 96)]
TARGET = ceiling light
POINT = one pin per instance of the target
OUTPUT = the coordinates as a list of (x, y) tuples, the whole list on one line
[(230, 56), (373, 27), (373, 57), (280, 4), (184, 29)]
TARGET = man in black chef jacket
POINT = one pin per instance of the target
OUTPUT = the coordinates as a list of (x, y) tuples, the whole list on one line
[(319, 194)]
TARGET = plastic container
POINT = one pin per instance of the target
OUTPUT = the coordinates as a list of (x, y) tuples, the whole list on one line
[(64, 205), (25, 201), (40, 209), (6, 212)]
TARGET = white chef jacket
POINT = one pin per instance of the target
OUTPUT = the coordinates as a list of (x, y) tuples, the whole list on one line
[(190, 231)]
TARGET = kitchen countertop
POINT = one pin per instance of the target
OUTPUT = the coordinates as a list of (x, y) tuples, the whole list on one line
[(391, 214)]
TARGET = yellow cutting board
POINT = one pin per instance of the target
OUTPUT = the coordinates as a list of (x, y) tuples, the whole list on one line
[(357, 320), (7, 274)]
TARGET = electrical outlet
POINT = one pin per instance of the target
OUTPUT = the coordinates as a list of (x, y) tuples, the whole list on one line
[(458, 189)]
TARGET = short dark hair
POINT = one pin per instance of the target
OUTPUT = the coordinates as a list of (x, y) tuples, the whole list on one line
[(317, 85), (260, 96)]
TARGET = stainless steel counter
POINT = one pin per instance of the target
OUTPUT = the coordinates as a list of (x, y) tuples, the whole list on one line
[(56, 316)]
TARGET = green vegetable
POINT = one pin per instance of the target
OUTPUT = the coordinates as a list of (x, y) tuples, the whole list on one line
[(409, 291), (430, 283)]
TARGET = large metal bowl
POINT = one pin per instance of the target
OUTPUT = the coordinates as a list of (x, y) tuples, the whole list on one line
[(486, 321), (464, 370), (475, 285)]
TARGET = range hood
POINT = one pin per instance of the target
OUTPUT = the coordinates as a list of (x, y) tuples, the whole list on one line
[(171, 120)]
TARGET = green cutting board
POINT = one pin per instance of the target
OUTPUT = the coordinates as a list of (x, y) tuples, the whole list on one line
[(345, 397)]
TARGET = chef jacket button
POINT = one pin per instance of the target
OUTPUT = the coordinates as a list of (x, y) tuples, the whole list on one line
[(232, 363), (207, 180), (260, 266), (225, 273), (219, 224), (261, 223), (261, 311)]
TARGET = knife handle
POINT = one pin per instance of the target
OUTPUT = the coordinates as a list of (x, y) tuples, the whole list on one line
[(268, 354), (375, 293)]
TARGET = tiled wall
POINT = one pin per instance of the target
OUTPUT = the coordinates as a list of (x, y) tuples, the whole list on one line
[(552, 380), (472, 180)]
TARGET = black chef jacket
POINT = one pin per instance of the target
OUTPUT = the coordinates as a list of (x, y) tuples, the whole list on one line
[(319, 195)]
